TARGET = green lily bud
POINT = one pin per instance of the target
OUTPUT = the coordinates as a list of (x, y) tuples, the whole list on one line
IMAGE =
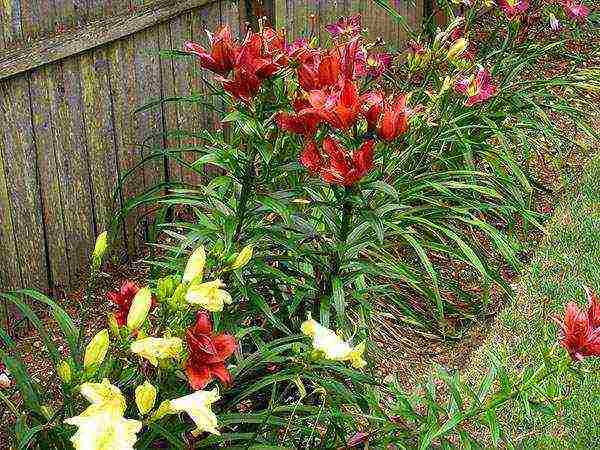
[(64, 371), (166, 288), (96, 350), (140, 307), (145, 397), (457, 49), (99, 250), (243, 258), (177, 300), (113, 326)]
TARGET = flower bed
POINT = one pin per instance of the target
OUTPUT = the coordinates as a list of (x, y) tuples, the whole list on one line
[(348, 176)]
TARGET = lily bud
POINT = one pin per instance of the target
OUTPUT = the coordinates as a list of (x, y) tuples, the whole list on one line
[(95, 352), (113, 325), (140, 307), (457, 49), (64, 371), (145, 397), (243, 258), (99, 250), (165, 288), (195, 265), (163, 409)]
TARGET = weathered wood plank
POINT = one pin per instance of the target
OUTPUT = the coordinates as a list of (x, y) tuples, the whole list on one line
[(148, 123), (66, 99), (170, 110), (10, 273), (121, 55), (181, 32), (100, 134), (22, 182), (50, 190), (11, 22), (94, 35), (65, 18)]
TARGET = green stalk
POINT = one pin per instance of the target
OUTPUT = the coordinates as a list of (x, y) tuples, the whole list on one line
[(247, 184)]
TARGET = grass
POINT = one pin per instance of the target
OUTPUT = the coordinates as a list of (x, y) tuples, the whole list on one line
[(568, 260)]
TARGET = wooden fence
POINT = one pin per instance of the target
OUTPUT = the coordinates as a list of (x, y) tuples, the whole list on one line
[(72, 73)]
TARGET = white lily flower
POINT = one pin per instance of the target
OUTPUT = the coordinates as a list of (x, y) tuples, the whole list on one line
[(104, 431), (198, 407), (331, 345)]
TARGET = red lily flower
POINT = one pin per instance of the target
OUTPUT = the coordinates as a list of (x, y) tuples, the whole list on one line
[(372, 105), (304, 121), (318, 71), (578, 336), (122, 299), (243, 86), (394, 119), (576, 11), (388, 117), (223, 52), (208, 353), (344, 170), (478, 89), (340, 106), (513, 8), (593, 309), (311, 158), (345, 28), (262, 55)]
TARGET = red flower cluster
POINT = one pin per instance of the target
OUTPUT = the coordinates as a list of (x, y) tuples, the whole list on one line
[(122, 300), (241, 68), (338, 168), (208, 353), (580, 330)]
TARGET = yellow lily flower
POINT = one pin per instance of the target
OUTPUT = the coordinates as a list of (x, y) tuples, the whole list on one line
[(198, 407), (155, 349), (208, 295), (332, 346), (194, 268), (104, 431), (103, 397)]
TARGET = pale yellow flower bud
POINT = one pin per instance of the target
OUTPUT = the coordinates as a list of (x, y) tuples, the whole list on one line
[(140, 307), (95, 352), (145, 397), (243, 258), (64, 371), (458, 48), (101, 245), (195, 266)]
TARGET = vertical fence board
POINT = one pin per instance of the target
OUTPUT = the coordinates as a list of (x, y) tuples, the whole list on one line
[(182, 67), (148, 123), (22, 183), (100, 134), (11, 22), (10, 274), (170, 110), (50, 189), (121, 55), (72, 165)]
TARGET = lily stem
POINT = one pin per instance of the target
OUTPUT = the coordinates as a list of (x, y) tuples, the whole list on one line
[(247, 184)]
